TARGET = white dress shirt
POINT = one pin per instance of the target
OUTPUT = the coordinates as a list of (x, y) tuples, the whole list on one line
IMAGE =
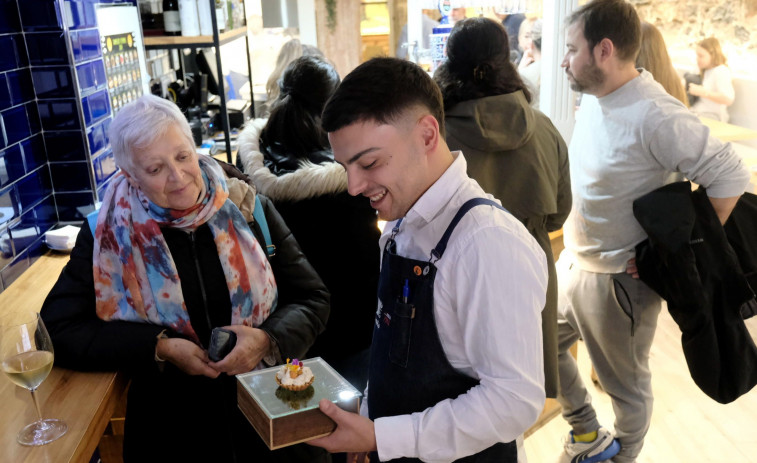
[(488, 295)]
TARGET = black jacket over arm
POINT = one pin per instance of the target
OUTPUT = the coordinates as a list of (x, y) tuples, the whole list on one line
[(689, 260), (172, 416)]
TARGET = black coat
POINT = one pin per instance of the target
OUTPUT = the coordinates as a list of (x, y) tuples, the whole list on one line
[(339, 235), (689, 260), (172, 416)]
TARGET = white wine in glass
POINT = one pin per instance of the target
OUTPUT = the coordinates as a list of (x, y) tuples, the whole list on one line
[(27, 354)]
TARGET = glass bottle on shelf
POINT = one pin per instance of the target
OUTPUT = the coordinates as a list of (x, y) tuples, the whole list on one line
[(221, 14), (171, 19)]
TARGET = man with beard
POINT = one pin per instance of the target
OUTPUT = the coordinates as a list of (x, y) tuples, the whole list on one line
[(630, 138)]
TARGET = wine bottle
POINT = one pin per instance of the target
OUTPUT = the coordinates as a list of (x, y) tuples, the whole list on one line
[(221, 14), (171, 21)]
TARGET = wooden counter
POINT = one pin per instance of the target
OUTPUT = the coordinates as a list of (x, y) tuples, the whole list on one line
[(85, 401), (728, 132)]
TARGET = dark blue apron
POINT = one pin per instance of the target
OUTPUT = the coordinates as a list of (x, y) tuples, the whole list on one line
[(409, 371)]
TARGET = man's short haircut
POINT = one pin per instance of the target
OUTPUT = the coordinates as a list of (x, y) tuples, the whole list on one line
[(381, 90), (616, 20)]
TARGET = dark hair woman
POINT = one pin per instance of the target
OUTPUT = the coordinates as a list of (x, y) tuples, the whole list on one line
[(289, 158)]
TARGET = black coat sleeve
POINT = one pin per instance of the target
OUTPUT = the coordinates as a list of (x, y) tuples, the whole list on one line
[(303, 304), (83, 341)]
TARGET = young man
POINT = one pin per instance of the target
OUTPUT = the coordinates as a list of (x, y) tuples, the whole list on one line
[(456, 360), (630, 138)]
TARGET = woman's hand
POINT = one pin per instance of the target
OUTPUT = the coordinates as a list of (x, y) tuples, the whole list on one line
[(252, 345), (186, 355)]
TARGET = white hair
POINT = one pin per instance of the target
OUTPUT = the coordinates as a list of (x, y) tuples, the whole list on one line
[(140, 123)]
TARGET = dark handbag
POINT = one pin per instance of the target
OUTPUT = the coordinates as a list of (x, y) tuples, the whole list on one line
[(692, 78)]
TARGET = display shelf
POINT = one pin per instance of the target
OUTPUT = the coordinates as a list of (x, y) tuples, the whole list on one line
[(213, 41), (199, 41)]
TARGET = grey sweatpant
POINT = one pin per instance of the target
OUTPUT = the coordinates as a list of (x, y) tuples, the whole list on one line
[(616, 316)]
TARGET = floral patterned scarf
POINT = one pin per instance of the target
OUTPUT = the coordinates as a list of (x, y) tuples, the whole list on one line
[(135, 275)]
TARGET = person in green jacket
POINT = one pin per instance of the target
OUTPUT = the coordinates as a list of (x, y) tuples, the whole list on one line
[(513, 150)]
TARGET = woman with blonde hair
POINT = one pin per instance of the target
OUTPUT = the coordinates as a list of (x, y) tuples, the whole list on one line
[(653, 56), (290, 51), (716, 92)]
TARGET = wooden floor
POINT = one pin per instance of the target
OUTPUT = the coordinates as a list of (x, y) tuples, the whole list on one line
[(687, 426)]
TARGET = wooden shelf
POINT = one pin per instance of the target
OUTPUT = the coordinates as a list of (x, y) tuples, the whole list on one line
[(179, 41)]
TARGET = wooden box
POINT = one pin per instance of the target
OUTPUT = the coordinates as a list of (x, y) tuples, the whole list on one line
[(283, 417)]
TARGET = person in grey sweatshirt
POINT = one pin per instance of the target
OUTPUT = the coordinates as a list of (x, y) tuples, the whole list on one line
[(631, 137)]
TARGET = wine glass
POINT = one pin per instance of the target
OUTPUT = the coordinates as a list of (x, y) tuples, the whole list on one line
[(27, 354)]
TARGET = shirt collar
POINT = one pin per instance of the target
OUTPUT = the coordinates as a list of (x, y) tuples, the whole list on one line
[(434, 200)]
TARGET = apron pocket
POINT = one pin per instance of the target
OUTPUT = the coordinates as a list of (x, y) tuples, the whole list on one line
[(402, 327)]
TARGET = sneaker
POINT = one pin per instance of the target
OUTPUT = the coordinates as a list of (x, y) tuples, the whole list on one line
[(602, 448)]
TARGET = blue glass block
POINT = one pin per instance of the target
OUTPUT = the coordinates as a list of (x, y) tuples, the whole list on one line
[(102, 188), (33, 188), (45, 214), (75, 14), (98, 137), (8, 206), (47, 48), (32, 111), (5, 96), (59, 115), (8, 58), (53, 82), (16, 124), (20, 86), (6, 247), (70, 176), (91, 77), (95, 107), (40, 15), (25, 232), (11, 165), (65, 146), (89, 15), (14, 270), (73, 207), (85, 44), (21, 54), (34, 152), (9, 21), (105, 167)]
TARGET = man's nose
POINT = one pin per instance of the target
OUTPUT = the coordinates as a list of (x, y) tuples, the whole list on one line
[(355, 183)]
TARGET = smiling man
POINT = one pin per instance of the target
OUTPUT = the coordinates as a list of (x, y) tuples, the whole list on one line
[(631, 137), (456, 360)]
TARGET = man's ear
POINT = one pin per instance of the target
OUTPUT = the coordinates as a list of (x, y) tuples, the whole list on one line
[(604, 50), (429, 129)]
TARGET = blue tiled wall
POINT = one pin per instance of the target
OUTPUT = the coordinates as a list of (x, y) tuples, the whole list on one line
[(55, 157)]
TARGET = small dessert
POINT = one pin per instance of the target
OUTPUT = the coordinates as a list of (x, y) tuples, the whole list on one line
[(294, 376)]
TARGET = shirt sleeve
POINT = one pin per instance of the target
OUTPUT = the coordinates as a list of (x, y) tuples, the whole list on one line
[(682, 143), (723, 82), (494, 284)]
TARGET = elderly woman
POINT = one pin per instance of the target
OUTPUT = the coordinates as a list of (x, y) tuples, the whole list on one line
[(176, 253), (512, 149)]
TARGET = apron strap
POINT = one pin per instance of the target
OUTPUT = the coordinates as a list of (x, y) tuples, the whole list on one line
[(470, 204)]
